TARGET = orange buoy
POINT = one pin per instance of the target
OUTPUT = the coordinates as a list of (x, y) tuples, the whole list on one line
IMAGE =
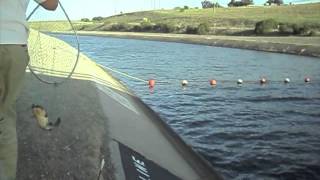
[(263, 81), (184, 82), (152, 83), (213, 82), (307, 79)]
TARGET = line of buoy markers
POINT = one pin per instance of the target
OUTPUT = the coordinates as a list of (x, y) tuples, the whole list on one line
[(213, 82)]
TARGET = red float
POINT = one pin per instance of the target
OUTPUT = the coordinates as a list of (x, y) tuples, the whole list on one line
[(152, 83), (213, 82)]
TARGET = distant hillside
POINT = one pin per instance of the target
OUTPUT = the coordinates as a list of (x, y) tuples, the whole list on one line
[(240, 20), (230, 17)]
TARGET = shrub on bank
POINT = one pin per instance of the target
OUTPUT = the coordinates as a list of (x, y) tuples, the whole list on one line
[(142, 27), (120, 27), (99, 18), (266, 26), (203, 28), (285, 29), (85, 20), (271, 26), (298, 29), (146, 26), (314, 33), (163, 28), (303, 30), (136, 28), (191, 30)]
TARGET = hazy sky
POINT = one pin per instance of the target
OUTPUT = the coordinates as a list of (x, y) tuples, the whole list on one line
[(78, 9)]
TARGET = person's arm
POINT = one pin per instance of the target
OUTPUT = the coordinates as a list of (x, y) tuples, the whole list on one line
[(50, 4)]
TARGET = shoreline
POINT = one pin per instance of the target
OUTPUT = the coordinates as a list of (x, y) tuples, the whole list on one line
[(304, 46)]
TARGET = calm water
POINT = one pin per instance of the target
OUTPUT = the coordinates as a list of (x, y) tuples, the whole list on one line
[(247, 132)]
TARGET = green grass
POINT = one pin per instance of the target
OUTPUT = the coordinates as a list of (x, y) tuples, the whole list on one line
[(227, 17), (224, 19)]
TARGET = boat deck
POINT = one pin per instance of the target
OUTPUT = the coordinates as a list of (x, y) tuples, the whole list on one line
[(74, 149)]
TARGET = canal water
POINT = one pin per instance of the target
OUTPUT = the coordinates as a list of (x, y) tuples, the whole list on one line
[(251, 131)]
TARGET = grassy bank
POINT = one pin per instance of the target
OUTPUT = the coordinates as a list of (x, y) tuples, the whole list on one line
[(224, 21), (219, 25)]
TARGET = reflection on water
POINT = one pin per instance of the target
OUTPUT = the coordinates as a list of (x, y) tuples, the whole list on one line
[(246, 132)]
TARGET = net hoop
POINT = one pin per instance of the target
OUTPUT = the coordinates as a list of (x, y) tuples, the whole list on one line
[(55, 82)]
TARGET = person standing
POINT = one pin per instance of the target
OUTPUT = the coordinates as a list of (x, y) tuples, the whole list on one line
[(14, 59)]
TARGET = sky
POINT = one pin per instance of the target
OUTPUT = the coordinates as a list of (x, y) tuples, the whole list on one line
[(77, 9)]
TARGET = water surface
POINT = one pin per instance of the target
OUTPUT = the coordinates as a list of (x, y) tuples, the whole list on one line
[(246, 132)]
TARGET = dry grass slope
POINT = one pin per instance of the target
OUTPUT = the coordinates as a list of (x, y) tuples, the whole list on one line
[(223, 18), (244, 17)]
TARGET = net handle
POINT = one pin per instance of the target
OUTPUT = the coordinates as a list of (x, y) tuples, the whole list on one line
[(77, 42)]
